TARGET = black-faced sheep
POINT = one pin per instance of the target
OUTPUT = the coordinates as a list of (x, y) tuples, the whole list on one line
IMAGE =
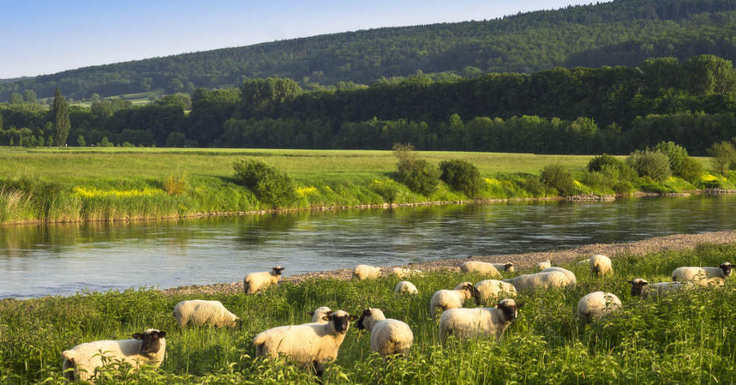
[(450, 299), (482, 321), (403, 272), (507, 266), (363, 272), (541, 280), (600, 265), (319, 314), (405, 287), (492, 290), (255, 282), (484, 268), (544, 265), (147, 348), (388, 336), (200, 312), (703, 276), (597, 304), (571, 279), (641, 288)]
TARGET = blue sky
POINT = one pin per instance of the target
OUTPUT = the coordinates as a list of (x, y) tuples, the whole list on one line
[(48, 36)]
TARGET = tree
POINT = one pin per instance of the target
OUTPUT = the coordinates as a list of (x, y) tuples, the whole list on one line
[(724, 156), (61, 114), (16, 98), (80, 141), (30, 96)]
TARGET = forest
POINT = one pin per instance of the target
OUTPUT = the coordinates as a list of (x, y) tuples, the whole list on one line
[(622, 32)]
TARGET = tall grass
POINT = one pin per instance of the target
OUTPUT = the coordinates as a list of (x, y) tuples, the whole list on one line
[(685, 338)]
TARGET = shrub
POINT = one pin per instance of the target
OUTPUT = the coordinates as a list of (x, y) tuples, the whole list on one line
[(680, 162), (623, 187), (724, 156), (691, 170), (418, 175), (534, 186), (175, 184), (461, 175), (559, 177), (270, 185), (601, 161), (652, 164)]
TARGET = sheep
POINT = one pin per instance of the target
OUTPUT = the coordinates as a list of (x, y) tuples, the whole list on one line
[(311, 344), (597, 304), (147, 348), (571, 279), (388, 336), (450, 299), (405, 287), (468, 323), (507, 266), (318, 315), (494, 290), (600, 265), (201, 312), (480, 267), (544, 265), (703, 276), (641, 288), (363, 272), (541, 280), (255, 282), (402, 272)]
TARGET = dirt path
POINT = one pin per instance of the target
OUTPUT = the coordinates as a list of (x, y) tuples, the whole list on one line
[(647, 246)]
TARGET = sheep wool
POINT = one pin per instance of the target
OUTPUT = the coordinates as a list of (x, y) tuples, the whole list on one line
[(703, 276), (147, 348), (600, 265), (482, 321), (306, 344), (571, 279), (200, 312), (641, 288), (536, 281), (363, 272), (450, 299), (484, 268), (493, 290), (597, 304), (405, 287), (388, 336), (403, 272), (255, 282), (544, 265), (319, 315), (507, 266)]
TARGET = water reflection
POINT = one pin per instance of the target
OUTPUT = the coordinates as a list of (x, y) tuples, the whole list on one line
[(62, 259)]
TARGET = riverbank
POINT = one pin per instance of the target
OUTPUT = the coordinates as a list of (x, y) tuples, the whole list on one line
[(677, 242)]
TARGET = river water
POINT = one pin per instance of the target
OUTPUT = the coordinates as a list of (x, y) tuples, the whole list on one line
[(65, 259)]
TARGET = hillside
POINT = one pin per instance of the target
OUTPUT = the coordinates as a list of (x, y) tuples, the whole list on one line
[(622, 32)]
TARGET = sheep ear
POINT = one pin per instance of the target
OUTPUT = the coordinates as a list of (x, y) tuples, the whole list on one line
[(161, 334), (138, 336)]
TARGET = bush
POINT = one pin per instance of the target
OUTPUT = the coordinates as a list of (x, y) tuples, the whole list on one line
[(270, 185), (652, 164), (559, 177), (418, 175), (724, 156), (534, 186), (623, 187), (462, 176), (601, 161), (680, 162), (175, 184), (691, 170)]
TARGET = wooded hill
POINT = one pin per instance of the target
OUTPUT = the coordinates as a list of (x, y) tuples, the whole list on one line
[(623, 32)]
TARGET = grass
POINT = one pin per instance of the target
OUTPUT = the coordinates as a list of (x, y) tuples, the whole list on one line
[(127, 183), (686, 338)]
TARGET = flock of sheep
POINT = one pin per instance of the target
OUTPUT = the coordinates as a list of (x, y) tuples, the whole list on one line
[(316, 343)]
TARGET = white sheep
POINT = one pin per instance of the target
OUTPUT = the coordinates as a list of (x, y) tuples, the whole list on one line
[(201, 312), (147, 348), (507, 266), (319, 314), (450, 299), (481, 321), (641, 288), (493, 290), (405, 287), (600, 265), (597, 304), (388, 336), (254, 282), (311, 344), (544, 265), (571, 279), (484, 268), (541, 280), (363, 272), (403, 272), (703, 276)]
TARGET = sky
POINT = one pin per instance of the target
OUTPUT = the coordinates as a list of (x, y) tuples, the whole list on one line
[(48, 36)]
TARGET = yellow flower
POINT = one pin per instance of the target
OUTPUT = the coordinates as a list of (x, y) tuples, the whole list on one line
[(94, 193), (304, 191), (492, 181)]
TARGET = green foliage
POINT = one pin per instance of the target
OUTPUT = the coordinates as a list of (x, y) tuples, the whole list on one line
[(61, 114), (461, 175), (724, 156), (652, 164), (559, 178), (270, 185), (80, 141), (600, 161), (419, 175)]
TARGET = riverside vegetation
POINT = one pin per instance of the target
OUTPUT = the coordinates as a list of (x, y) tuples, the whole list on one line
[(687, 337), (123, 184)]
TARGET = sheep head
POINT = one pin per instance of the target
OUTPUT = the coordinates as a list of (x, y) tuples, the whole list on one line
[(726, 267), (638, 286), (509, 308), (151, 341)]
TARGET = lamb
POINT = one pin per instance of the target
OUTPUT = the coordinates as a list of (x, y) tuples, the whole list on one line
[(703, 276), (363, 272), (572, 280), (544, 265), (388, 336), (147, 348), (318, 315), (201, 312), (641, 288), (311, 344), (480, 267), (541, 280), (508, 266), (600, 265), (255, 282), (403, 272), (493, 290), (450, 299), (597, 304), (405, 287), (482, 321)]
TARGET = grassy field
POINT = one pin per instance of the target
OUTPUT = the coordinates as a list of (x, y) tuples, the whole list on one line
[(78, 184), (686, 338)]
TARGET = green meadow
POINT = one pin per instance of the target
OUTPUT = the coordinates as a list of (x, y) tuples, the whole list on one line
[(685, 338)]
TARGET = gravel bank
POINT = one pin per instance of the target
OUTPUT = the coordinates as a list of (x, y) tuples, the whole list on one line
[(643, 247)]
